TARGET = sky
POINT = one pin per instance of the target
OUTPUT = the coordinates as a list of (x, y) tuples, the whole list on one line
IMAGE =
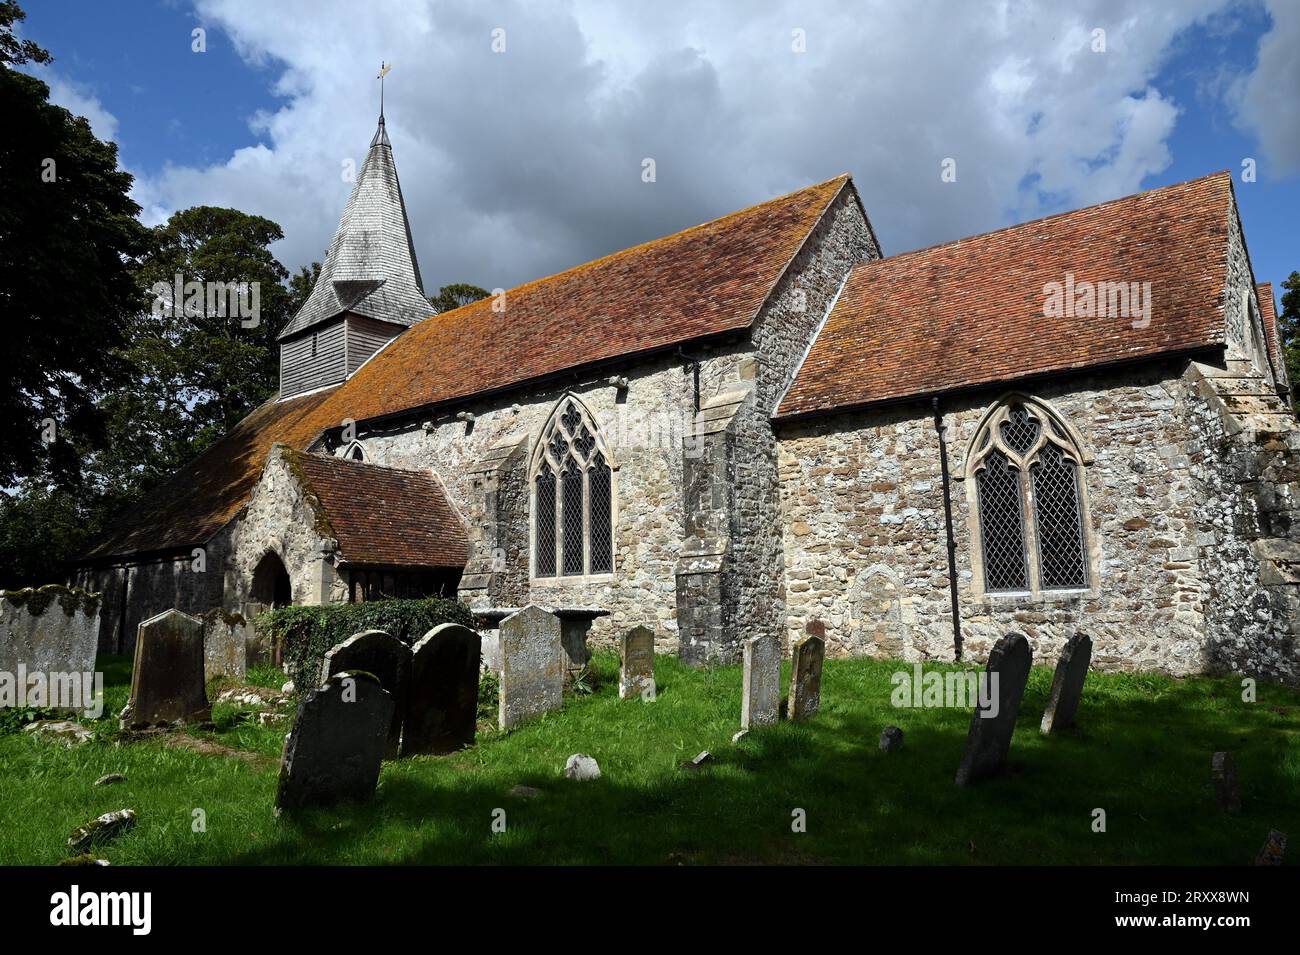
[(521, 129)]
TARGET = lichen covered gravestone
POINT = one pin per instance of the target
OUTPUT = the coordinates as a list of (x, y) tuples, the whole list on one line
[(49, 630), (389, 659), (337, 743), (806, 677), (442, 704), (760, 701), (1067, 684), (167, 685), (532, 666), (989, 739), (225, 644), (637, 674)]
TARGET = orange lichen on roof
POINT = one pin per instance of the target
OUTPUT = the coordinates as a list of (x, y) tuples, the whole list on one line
[(972, 312), (385, 516), (706, 280)]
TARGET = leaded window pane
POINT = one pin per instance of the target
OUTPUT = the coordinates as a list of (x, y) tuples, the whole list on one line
[(602, 533), (571, 485), (545, 523), (1059, 521), (1019, 431), (1002, 525)]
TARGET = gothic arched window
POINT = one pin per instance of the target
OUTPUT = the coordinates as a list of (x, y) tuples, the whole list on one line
[(354, 451), (573, 496), (1025, 478)]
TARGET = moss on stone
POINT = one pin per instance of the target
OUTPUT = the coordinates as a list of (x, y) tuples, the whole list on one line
[(228, 617), (36, 600)]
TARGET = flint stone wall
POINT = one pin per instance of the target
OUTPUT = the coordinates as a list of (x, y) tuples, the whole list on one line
[(865, 541)]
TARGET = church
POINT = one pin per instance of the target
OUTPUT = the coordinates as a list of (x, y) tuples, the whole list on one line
[(1076, 424)]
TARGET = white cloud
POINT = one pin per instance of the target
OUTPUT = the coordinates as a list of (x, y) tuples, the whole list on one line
[(79, 100), (1266, 100), (516, 165)]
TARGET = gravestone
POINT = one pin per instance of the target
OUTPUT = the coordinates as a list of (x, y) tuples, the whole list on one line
[(225, 645), (337, 743), (1274, 849), (1067, 684), (49, 630), (532, 666), (989, 739), (638, 671), (389, 659), (806, 677), (442, 705), (760, 701), (1227, 788), (167, 684)]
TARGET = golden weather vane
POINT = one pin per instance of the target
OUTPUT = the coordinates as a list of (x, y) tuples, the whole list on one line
[(383, 71)]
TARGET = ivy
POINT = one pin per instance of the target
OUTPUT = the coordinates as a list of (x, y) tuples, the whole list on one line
[(308, 633)]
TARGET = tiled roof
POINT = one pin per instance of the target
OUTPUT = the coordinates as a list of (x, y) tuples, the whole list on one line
[(971, 312), (708, 279), (1268, 314), (200, 498), (370, 268), (386, 516)]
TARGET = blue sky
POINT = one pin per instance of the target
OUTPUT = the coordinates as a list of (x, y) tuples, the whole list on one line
[(519, 165)]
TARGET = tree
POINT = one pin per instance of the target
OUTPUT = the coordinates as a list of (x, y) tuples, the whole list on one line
[(1289, 322), (455, 295), (68, 238)]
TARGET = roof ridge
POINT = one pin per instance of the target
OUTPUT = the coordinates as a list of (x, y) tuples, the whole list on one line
[(1042, 219)]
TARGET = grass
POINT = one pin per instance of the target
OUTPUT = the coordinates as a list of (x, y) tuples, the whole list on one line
[(1142, 753)]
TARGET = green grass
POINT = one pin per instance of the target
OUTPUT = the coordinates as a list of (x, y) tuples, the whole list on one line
[(1142, 754)]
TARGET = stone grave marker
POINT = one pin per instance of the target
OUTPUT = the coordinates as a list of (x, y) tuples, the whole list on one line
[(1227, 788), (989, 739), (51, 629), (806, 676), (389, 659), (225, 644), (337, 743), (532, 666), (442, 705), (638, 671), (760, 702), (167, 685), (1067, 684)]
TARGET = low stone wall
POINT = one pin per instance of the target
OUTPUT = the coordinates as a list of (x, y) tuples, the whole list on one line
[(50, 629)]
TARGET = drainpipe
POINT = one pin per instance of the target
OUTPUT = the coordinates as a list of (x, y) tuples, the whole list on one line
[(947, 520)]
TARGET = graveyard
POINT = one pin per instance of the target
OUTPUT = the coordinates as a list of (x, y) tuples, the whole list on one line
[(820, 789)]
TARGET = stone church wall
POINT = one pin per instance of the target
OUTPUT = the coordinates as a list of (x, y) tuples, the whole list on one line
[(865, 542)]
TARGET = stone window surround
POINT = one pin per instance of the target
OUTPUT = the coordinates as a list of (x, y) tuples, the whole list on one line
[(353, 451), (560, 579), (1075, 451)]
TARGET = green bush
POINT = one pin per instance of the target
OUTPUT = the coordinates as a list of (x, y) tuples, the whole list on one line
[(308, 633)]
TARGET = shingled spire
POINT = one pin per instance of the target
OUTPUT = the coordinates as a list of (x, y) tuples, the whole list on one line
[(370, 273)]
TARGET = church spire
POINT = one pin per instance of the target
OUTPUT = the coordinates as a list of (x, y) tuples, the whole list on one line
[(370, 269), (381, 134)]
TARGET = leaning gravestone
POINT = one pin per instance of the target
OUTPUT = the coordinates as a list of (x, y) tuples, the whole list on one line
[(1067, 685), (225, 645), (989, 739), (638, 671), (167, 684), (389, 659), (337, 743), (442, 707), (760, 702), (532, 666), (806, 677)]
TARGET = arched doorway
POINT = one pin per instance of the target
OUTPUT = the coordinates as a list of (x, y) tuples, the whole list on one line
[(271, 589)]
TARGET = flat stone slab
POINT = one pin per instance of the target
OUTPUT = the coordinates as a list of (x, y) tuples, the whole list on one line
[(989, 739), (637, 674), (806, 677), (442, 709), (532, 666), (388, 659), (337, 743), (760, 702), (167, 684), (1067, 684)]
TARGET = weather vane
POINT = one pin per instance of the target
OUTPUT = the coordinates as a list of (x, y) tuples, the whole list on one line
[(383, 71)]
